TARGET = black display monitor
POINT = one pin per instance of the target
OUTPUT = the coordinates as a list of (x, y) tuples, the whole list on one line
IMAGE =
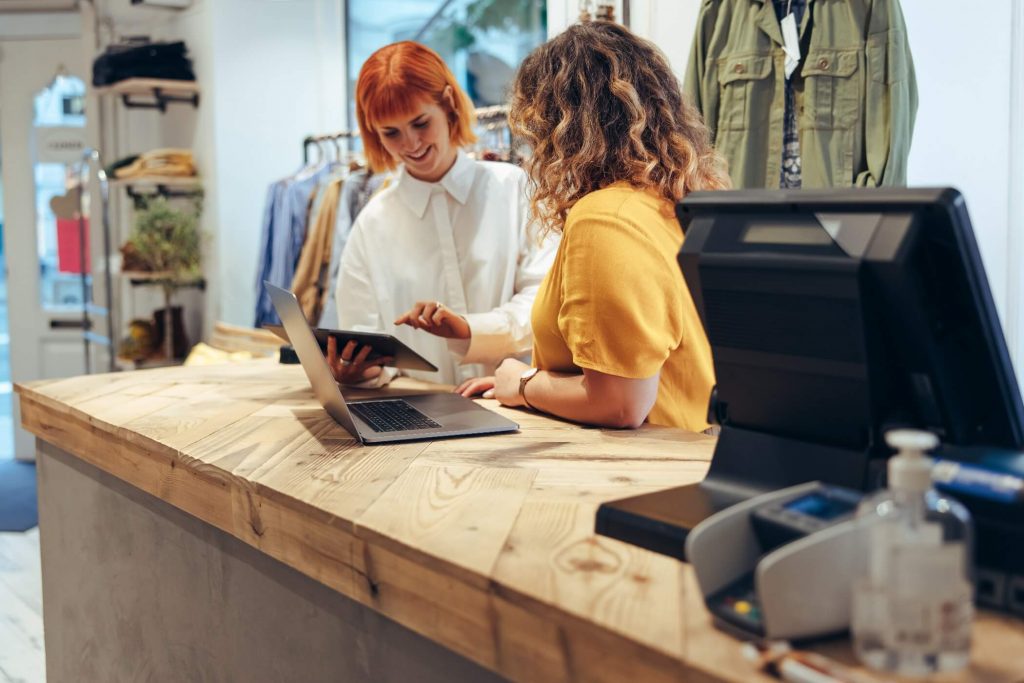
[(833, 316)]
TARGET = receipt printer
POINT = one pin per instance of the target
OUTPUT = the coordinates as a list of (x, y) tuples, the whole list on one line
[(781, 565)]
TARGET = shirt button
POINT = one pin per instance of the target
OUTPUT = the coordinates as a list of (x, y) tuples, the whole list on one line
[(739, 68), (822, 63)]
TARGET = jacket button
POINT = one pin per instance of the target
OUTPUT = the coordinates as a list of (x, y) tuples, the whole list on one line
[(739, 68), (823, 63)]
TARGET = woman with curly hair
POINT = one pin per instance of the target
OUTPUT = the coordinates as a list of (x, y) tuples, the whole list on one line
[(617, 338)]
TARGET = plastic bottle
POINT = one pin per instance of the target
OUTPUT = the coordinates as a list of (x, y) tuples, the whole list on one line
[(912, 612)]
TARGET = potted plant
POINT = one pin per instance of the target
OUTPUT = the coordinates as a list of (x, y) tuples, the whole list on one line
[(164, 248)]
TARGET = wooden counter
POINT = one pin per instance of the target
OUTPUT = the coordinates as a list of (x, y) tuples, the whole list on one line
[(485, 546)]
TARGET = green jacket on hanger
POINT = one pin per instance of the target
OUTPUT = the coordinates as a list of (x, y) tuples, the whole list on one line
[(855, 91)]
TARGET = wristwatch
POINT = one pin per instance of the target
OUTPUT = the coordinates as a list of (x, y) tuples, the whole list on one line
[(523, 379)]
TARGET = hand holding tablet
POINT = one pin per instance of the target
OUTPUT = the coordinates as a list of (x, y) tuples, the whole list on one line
[(382, 346)]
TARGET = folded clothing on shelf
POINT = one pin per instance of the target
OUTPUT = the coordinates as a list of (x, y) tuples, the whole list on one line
[(111, 168), (146, 60), (159, 162)]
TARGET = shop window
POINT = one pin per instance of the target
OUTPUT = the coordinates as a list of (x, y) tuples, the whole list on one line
[(58, 145), (482, 41)]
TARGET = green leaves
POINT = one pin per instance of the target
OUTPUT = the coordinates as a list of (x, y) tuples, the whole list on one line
[(166, 239)]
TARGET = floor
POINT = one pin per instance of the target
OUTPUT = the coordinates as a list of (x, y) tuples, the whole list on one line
[(22, 658), (21, 596)]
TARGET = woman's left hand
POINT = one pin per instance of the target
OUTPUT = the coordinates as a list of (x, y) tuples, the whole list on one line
[(506, 382), (437, 319), (484, 386)]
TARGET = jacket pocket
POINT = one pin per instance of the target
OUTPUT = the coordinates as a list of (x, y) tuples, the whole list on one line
[(887, 57), (831, 88), (743, 82)]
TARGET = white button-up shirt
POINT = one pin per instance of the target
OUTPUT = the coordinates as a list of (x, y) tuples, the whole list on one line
[(466, 241)]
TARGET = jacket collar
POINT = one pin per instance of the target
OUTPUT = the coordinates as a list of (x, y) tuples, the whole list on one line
[(457, 182), (769, 22)]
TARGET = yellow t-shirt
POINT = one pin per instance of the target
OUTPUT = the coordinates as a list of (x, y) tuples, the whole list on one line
[(615, 301)]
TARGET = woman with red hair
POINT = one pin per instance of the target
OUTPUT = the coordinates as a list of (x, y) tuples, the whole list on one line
[(446, 247)]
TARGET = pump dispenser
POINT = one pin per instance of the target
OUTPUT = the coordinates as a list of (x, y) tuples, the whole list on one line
[(910, 470), (912, 612)]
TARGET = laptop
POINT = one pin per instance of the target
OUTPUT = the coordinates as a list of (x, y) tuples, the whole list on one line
[(384, 420)]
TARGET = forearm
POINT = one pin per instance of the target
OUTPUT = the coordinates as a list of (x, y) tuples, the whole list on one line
[(496, 334), (574, 397)]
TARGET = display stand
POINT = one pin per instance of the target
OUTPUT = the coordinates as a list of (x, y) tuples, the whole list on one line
[(152, 93)]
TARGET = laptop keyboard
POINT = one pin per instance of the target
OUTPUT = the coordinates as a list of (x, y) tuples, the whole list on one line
[(391, 416)]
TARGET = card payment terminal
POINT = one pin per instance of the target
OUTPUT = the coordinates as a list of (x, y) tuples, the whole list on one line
[(781, 565)]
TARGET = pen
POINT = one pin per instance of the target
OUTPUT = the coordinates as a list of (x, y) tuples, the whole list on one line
[(793, 670), (796, 666)]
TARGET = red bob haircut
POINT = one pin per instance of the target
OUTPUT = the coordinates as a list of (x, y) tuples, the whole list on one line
[(393, 82)]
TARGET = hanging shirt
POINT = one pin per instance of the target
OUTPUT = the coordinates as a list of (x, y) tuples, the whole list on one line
[(855, 94), (358, 188), (465, 241), (284, 231), (789, 173), (310, 278)]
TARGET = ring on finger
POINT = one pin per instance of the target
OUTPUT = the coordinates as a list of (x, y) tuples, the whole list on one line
[(439, 304), (346, 362)]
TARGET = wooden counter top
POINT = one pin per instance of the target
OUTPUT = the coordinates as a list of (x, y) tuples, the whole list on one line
[(484, 545)]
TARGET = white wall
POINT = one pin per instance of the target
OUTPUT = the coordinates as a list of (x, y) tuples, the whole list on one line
[(1015, 250), (668, 23), (962, 133), (278, 75)]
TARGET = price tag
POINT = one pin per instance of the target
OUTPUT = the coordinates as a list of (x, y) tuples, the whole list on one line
[(791, 44)]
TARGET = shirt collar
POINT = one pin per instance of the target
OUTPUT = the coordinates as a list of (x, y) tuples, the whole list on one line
[(457, 182)]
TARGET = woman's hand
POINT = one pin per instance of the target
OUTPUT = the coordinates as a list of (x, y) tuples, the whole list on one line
[(437, 319), (506, 382), (350, 367), (478, 385)]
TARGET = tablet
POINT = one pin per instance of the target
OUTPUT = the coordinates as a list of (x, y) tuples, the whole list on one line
[(382, 345)]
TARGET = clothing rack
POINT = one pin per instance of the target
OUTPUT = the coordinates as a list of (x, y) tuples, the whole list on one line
[(90, 166), (488, 116), (333, 138)]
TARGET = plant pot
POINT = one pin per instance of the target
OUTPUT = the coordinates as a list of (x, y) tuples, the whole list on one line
[(179, 338)]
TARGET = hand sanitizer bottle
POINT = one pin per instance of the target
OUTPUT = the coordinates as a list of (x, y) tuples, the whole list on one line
[(912, 612)]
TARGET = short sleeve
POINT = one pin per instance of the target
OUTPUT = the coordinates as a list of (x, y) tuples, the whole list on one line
[(621, 297)]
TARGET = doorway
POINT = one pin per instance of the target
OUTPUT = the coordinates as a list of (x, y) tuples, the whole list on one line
[(40, 120)]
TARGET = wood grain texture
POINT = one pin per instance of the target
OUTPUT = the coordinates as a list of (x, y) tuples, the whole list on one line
[(485, 545)]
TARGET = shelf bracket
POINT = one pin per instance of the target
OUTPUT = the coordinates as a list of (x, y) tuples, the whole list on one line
[(160, 100), (139, 198)]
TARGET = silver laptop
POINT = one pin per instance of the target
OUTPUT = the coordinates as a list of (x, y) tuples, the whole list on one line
[(384, 420)]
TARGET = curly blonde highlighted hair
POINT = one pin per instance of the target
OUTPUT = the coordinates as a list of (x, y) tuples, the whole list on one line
[(600, 105)]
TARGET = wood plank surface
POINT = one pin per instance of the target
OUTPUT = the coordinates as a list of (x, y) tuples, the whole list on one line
[(485, 545)]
